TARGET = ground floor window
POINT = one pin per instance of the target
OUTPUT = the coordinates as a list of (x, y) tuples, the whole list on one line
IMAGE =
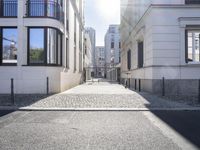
[(129, 59), (140, 54), (193, 46), (44, 46), (8, 45)]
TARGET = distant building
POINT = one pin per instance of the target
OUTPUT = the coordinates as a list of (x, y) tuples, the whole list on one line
[(112, 45), (100, 60), (92, 35), (161, 38)]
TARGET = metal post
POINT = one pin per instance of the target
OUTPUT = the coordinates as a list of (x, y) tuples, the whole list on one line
[(135, 84), (199, 91), (12, 92), (47, 85), (163, 86), (139, 85)]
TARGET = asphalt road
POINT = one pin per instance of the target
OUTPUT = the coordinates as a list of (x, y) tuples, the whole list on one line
[(99, 130)]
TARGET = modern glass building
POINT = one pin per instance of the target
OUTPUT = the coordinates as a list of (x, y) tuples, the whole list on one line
[(40, 39)]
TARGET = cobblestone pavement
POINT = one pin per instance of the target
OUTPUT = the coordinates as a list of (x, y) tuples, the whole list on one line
[(96, 95)]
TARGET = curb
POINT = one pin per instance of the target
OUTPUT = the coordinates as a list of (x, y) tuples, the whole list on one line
[(97, 109)]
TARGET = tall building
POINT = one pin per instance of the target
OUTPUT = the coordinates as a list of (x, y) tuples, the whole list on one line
[(112, 45), (92, 35), (100, 61), (87, 57), (40, 39), (161, 38)]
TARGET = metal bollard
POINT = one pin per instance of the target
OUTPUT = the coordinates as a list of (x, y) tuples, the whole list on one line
[(139, 85), (163, 86), (12, 92), (199, 91), (135, 84), (47, 85)]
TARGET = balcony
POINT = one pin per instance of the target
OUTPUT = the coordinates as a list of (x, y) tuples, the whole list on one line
[(45, 9), (192, 1), (8, 8)]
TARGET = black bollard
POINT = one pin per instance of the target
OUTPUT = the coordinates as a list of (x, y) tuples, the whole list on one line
[(135, 84), (199, 91), (139, 85), (47, 85), (12, 92), (163, 86)]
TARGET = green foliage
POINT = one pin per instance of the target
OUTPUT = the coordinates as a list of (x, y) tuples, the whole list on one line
[(37, 54)]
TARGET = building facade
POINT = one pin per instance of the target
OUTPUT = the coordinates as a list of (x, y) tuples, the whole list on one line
[(100, 61), (92, 35), (161, 39), (41, 40), (112, 45), (87, 57)]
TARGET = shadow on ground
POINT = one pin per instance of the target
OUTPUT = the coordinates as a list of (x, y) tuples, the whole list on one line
[(27, 99), (186, 123)]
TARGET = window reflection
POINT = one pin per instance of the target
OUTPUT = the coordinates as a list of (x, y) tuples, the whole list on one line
[(36, 40), (9, 45)]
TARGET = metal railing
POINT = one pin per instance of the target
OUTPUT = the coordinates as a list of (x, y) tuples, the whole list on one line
[(192, 1), (8, 8), (47, 8)]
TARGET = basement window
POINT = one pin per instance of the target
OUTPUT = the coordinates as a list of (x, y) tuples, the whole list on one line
[(193, 46)]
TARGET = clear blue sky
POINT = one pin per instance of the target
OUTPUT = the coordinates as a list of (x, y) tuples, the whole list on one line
[(99, 14)]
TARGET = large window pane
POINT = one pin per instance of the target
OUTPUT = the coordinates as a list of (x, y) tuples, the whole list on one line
[(193, 43), (51, 46), (59, 48), (45, 46), (36, 40), (9, 45)]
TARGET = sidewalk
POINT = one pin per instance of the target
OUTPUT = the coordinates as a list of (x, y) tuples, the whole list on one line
[(97, 96)]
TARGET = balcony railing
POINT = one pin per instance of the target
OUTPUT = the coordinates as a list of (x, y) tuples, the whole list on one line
[(45, 8), (192, 1), (8, 8)]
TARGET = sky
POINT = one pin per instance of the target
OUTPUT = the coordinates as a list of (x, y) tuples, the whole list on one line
[(99, 14)]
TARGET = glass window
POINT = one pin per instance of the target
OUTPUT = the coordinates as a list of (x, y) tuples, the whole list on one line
[(36, 41), (51, 46), (45, 46), (9, 45), (112, 44), (140, 54), (129, 60), (193, 46)]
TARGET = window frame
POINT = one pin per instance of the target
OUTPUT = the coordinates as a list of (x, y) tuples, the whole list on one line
[(186, 45), (129, 65), (140, 54), (1, 45), (45, 47)]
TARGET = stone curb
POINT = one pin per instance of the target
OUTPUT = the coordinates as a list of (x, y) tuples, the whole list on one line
[(97, 109)]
